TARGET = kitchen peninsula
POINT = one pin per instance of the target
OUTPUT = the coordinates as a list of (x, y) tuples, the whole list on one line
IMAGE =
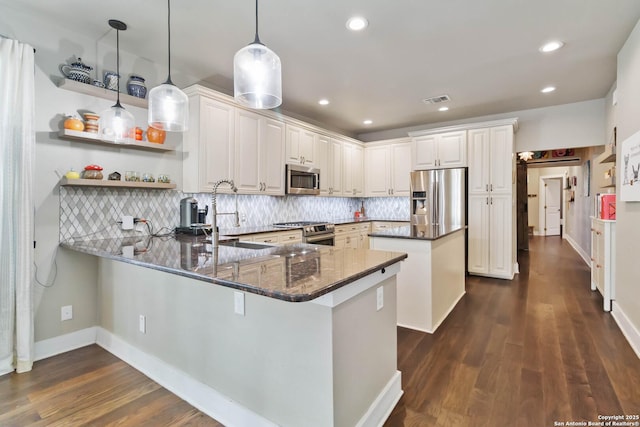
[(289, 335), (432, 279)]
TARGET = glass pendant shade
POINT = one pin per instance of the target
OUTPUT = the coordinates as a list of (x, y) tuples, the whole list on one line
[(168, 108), (116, 124), (257, 77)]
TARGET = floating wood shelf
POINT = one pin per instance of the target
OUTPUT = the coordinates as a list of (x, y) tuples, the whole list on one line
[(99, 92), (116, 184), (93, 138)]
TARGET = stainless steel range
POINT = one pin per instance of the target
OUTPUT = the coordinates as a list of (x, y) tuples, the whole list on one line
[(317, 233)]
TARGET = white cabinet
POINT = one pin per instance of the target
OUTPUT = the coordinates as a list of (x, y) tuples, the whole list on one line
[(352, 235), (440, 150), (329, 160), (259, 154), (387, 169), (300, 145), (491, 218), (352, 169), (208, 146), (275, 237), (603, 255)]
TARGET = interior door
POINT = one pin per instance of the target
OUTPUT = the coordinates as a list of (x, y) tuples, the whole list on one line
[(552, 189)]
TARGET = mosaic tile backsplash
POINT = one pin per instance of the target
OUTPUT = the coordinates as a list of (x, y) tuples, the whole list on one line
[(92, 213)]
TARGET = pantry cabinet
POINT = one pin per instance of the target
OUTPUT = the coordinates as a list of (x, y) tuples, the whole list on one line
[(491, 204), (438, 150), (259, 154), (387, 169)]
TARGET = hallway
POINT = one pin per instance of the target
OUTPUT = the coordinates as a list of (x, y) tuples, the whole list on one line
[(530, 352)]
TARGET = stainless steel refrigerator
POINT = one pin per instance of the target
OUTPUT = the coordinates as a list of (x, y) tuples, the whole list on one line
[(438, 198)]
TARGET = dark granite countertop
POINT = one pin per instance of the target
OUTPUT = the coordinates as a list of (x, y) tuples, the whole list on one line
[(418, 232), (297, 272), (241, 231), (366, 219)]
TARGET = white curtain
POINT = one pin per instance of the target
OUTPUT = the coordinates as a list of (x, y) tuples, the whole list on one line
[(17, 148)]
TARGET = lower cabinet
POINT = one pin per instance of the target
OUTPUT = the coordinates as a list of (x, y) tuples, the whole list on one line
[(603, 255), (490, 236), (275, 237), (352, 235)]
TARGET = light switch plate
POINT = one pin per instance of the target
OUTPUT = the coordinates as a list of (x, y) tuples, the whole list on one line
[(238, 303), (142, 324), (66, 313), (379, 298)]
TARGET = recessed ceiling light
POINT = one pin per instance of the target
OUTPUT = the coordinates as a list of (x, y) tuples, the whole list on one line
[(323, 102), (551, 46), (357, 23), (367, 122), (443, 109), (548, 89)]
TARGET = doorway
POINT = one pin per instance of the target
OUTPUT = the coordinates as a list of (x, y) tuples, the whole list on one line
[(551, 212)]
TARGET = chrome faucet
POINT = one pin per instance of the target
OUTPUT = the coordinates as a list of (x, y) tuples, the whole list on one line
[(215, 235)]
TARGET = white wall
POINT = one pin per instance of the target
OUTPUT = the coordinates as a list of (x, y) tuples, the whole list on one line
[(628, 213), (71, 277), (580, 124)]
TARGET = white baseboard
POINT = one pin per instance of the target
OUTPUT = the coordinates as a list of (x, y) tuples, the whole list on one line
[(199, 395), (628, 329), (63, 343), (381, 408), (585, 257), (438, 323)]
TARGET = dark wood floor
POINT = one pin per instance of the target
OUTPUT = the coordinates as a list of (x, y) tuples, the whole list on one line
[(529, 352)]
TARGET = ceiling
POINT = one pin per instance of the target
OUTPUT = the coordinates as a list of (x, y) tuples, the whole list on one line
[(482, 53)]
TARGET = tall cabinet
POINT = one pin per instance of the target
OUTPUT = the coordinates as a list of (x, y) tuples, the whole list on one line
[(491, 202)]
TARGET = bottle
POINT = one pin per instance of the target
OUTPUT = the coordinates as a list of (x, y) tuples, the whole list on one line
[(362, 215)]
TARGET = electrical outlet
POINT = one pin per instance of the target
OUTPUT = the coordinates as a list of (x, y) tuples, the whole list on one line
[(238, 303), (127, 222), (379, 298), (142, 324), (66, 313)]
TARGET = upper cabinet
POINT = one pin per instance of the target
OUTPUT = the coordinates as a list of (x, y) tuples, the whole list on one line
[(491, 160), (209, 143), (352, 169), (328, 155), (387, 169), (227, 142), (259, 152), (300, 145), (439, 150)]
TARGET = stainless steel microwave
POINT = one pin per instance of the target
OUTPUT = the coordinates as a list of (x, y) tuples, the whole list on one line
[(302, 180)]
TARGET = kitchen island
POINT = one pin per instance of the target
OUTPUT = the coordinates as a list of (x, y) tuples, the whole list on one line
[(432, 280), (291, 335)]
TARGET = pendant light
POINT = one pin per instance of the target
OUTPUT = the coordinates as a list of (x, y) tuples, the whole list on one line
[(257, 75), (168, 105), (117, 124)]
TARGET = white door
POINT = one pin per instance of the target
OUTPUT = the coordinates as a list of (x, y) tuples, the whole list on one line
[(400, 169), (552, 189)]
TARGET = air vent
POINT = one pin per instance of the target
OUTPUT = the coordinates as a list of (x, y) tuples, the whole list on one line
[(436, 99)]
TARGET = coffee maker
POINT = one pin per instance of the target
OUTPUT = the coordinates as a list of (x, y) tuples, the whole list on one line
[(192, 220)]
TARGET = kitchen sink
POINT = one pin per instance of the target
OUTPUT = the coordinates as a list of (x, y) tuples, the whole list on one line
[(245, 245)]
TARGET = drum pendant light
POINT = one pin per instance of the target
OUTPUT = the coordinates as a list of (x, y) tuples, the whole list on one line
[(168, 105), (116, 124), (257, 75)]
